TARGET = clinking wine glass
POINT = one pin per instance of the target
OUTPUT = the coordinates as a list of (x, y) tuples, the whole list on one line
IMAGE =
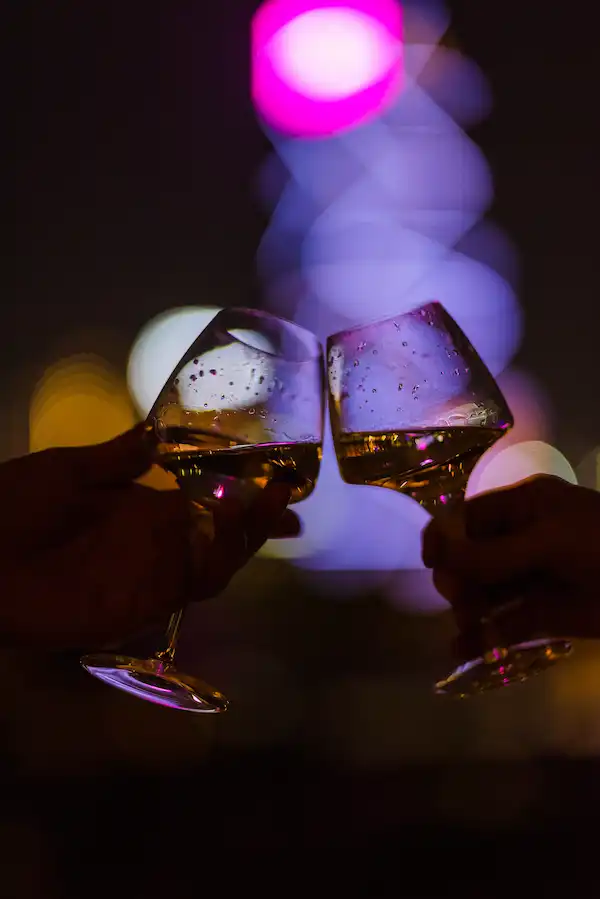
[(243, 407), (413, 408)]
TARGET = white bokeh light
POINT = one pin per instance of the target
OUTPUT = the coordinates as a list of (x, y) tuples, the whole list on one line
[(159, 347), (329, 54), (517, 462)]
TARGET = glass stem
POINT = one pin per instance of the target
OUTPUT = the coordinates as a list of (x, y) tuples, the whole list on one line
[(167, 655)]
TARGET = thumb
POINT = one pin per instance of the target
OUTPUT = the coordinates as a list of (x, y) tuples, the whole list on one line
[(117, 461)]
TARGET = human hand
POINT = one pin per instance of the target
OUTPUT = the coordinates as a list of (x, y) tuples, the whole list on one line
[(88, 556), (537, 542)]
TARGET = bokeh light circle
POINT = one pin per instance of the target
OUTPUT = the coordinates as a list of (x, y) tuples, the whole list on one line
[(320, 68), (375, 288), (159, 347), (79, 400), (328, 54), (517, 462)]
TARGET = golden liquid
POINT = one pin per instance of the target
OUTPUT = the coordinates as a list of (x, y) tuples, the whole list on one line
[(431, 466), (215, 471)]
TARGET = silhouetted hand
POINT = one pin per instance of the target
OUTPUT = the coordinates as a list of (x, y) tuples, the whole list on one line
[(538, 542), (88, 556)]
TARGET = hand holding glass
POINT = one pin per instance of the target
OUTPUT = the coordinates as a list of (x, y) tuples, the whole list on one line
[(413, 408), (243, 407)]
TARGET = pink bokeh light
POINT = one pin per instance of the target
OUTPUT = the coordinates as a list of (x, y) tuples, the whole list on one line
[(321, 67)]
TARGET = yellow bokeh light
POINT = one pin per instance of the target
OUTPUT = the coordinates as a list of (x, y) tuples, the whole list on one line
[(79, 400)]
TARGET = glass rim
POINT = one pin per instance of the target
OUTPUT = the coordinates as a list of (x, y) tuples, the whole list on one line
[(369, 323), (306, 338)]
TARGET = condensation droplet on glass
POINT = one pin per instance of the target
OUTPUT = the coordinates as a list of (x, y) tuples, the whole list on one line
[(176, 381), (231, 383), (400, 386), (201, 373), (374, 352), (457, 371), (405, 343), (193, 378), (196, 361), (206, 405), (362, 345), (356, 363), (261, 379), (213, 371), (251, 411), (374, 390)]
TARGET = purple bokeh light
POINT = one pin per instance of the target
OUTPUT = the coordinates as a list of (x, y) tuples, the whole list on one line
[(319, 68), (371, 222)]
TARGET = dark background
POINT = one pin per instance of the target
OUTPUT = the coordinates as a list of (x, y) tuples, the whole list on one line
[(135, 151)]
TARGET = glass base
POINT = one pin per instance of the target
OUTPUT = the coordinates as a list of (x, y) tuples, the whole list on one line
[(502, 667), (157, 681)]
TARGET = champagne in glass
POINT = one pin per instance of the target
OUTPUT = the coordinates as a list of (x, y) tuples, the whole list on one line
[(413, 408), (244, 407)]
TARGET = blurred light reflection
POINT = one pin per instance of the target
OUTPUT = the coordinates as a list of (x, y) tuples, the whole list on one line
[(159, 347), (373, 220), (79, 400)]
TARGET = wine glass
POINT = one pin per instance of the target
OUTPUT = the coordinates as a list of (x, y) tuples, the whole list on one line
[(243, 407), (413, 408)]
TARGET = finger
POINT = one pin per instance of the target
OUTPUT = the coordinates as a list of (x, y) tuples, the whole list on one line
[(508, 509), (229, 517), (448, 585), (266, 514), (117, 461), (493, 514), (438, 535), (289, 525), (227, 552)]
